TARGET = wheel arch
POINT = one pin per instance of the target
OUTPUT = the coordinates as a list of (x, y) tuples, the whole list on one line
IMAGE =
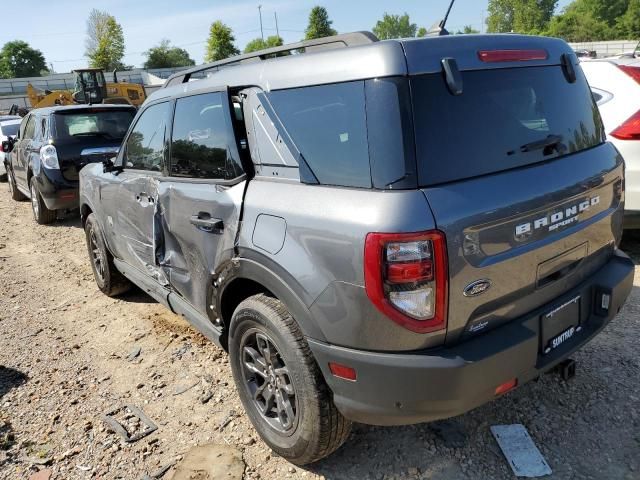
[(244, 278)]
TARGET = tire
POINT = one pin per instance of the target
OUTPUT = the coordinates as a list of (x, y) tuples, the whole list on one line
[(15, 193), (109, 280), (310, 427), (41, 213)]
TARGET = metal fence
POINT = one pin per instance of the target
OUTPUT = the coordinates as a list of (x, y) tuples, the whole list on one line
[(65, 81), (607, 49)]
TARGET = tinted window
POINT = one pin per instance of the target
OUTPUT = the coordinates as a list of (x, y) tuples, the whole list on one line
[(203, 144), (492, 125), (145, 144), (10, 129), (328, 125), (112, 124)]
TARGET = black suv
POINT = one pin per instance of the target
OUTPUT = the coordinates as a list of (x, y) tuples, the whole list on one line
[(51, 147)]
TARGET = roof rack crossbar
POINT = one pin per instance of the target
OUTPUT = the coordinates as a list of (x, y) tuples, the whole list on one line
[(336, 41)]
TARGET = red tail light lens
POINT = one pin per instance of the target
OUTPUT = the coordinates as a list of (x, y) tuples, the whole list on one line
[(406, 278), (633, 72), (491, 56), (629, 130)]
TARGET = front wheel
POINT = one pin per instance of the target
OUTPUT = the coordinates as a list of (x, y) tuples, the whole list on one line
[(280, 384), (13, 189)]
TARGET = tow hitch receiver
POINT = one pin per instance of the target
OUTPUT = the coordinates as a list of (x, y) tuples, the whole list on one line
[(567, 369)]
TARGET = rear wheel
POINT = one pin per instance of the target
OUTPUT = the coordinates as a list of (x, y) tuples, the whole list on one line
[(280, 384), (15, 193), (109, 280), (41, 213)]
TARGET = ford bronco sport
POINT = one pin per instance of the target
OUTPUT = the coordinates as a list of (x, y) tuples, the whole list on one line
[(389, 232)]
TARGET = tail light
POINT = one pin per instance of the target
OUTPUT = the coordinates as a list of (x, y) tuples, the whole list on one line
[(49, 157), (406, 278), (630, 129), (491, 56), (633, 72)]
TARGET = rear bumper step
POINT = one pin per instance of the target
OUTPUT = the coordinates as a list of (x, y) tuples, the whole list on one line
[(400, 389)]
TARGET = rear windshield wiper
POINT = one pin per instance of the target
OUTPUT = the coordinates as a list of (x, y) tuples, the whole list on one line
[(91, 134), (548, 145)]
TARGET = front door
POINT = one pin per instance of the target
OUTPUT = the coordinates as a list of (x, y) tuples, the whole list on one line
[(131, 200), (199, 202)]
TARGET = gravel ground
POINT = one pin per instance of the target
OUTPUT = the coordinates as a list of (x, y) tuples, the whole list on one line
[(68, 354)]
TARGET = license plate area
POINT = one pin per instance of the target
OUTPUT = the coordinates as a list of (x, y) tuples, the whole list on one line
[(559, 325)]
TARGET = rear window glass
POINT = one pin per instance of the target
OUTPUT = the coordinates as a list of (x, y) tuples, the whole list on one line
[(505, 118), (10, 129), (328, 125), (112, 124)]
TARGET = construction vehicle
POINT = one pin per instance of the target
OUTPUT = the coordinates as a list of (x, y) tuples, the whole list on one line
[(90, 87)]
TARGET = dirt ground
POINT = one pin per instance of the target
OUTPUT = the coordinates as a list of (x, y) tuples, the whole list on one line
[(68, 354)]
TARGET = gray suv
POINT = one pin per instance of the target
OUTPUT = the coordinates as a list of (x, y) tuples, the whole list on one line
[(385, 232)]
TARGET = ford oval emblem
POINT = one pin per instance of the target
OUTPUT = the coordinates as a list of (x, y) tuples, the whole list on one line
[(476, 288)]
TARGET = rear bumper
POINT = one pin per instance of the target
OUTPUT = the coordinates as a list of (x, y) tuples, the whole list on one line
[(57, 192), (399, 389)]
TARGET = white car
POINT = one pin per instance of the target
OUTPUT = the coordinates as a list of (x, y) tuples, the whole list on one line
[(8, 128), (616, 88)]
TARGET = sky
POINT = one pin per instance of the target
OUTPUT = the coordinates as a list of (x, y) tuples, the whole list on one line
[(60, 35)]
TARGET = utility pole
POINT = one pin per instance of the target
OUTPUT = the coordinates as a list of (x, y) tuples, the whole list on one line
[(275, 14), (261, 30)]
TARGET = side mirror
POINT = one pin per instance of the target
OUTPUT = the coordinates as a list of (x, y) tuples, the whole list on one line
[(7, 145), (108, 165)]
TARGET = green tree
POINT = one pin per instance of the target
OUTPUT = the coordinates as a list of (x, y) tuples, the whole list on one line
[(220, 43), (319, 24), (395, 26), (105, 41), (608, 11), (467, 30), (521, 16), (260, 44), (422, 32), (165, 56), (576, 26), (629, 23), (18, 59)]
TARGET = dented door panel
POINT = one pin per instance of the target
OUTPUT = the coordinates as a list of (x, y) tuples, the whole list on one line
[(189, 250)]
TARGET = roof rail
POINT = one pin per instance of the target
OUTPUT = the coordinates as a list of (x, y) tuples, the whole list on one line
[(326, 43)]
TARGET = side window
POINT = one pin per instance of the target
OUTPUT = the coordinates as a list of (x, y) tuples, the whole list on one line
[(328, 124), (203, 142), (30, 128), (144, 149)]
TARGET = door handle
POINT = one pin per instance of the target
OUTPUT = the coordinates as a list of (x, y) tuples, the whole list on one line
[(206, 223)]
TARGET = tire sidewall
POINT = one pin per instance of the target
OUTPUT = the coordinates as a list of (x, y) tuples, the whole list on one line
[(92, 224), (33, 189), (294, 443)]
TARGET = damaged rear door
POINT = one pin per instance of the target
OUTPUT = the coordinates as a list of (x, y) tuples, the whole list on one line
[(130, 201), (199, 202)]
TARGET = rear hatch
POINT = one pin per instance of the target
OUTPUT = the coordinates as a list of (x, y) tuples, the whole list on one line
[(517, 173), (88, 135)]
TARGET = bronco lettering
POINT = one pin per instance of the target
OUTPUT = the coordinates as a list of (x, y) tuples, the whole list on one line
[(558, 219)]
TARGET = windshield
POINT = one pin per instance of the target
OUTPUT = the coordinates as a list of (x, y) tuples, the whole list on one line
[(504, 119), (9, 129), (110, 124)]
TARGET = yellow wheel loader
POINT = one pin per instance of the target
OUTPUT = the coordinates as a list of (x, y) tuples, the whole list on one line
[(90, 87)]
